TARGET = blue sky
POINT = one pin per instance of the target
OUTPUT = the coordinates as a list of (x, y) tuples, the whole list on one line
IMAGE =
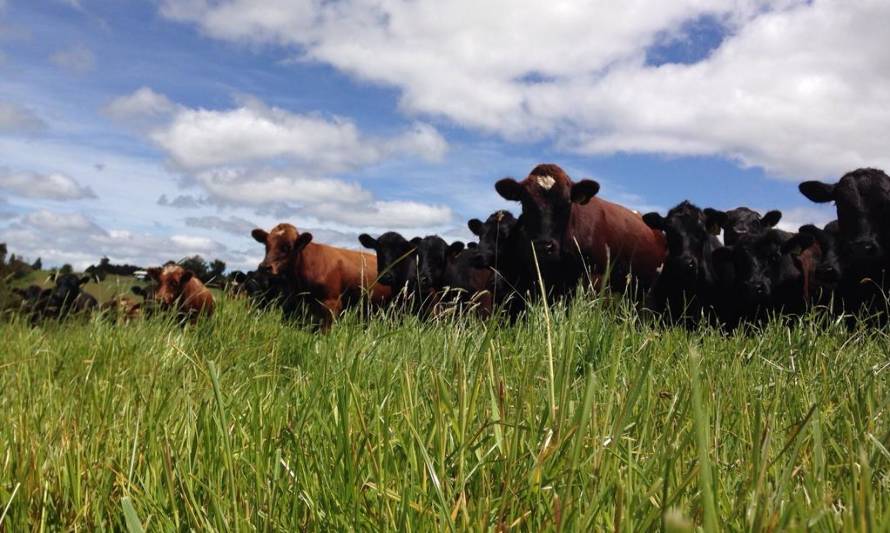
[(354, 115)]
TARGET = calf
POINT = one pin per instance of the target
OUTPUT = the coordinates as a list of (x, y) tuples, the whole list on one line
[(466, 285), (741, 223), (180, 289), (329, 277), (396, 259), (502, 249), (862, 198), (67, 297), (571, 232), (767, 277), (687, 287)]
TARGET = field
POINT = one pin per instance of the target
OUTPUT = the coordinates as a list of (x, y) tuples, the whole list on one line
[(583, 418)]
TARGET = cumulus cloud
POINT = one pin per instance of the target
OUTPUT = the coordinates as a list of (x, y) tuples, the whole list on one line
[(266, 157), (797, 86), (47, 186), (74, 238), (77, 59), (144, 103), (201, 138), (18, 119), (182, 201), (233, 224)]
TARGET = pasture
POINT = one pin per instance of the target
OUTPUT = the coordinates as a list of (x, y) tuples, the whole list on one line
[(584, 417)]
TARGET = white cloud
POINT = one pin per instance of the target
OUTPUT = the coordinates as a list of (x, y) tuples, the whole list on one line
[(233, 224), (201, 138), (797, 87), (74, 238), (256, 188), (77, 59), (385, 214), (52, 186), (18, 119), (793, 219), (144, 103)]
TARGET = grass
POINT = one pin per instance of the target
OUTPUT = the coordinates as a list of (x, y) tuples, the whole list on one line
[(242, 423)]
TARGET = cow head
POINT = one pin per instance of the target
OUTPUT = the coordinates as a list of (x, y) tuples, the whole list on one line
[(171, 280), (66, 290), (432, 254), (762, 264), (283, 247), (689, 239), (547, 196), (828, 270), (396, 258), (494, 236), (741, 223), (862, 198)]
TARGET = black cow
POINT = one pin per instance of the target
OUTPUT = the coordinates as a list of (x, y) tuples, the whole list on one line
[(67, 297), (464, 283), (503, 248), (396, 259), (687, 287), (766, 276), (827, 264), (33, 302), (740, 223), (862, 198)]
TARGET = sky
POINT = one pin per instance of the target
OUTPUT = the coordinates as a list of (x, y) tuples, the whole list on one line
[(152, 130)]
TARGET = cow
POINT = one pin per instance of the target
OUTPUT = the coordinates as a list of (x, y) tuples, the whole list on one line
[(180, 290), (121, 308), (688, 286), (396, 259), (827, 264), (67, 297), (148, 306), (33, 302), (767, 277), (570, 232), (329, 277), (741, 222), (862, 199), (464, 284), (266, 291), (502, 249)]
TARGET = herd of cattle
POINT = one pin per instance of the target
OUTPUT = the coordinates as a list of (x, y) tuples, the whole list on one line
[(566, 235)]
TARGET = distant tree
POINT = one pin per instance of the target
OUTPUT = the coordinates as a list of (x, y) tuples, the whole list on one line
[(2, 253), (37, 265), (217, 268), (197, 265)]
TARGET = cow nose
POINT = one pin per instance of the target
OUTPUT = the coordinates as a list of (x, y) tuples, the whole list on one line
[(867, 248), (690, 264), (759, 288)]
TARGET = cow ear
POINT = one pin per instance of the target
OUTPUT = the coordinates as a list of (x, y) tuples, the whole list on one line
[(797, 244), (654, 220), (811, 229), (84, 280), (818, 192), (509, 189), (154, 273), (455, 248), (259, 235), (368, 241), (772, 218), (584, 190), (475, 226), (186, 277), (714, 220), (304, 239)]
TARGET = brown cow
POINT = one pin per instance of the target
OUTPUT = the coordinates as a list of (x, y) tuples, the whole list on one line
[(571, 230), (179, 288), (330, 277)]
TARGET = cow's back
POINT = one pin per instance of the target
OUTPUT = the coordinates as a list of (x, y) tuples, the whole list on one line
[(607, 231), (330, 269)]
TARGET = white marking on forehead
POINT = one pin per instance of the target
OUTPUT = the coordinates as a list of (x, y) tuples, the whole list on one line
[(546, 182), (500, 216), (278, 231)]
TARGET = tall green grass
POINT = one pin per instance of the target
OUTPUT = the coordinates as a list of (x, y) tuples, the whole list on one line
[(243, 423)]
